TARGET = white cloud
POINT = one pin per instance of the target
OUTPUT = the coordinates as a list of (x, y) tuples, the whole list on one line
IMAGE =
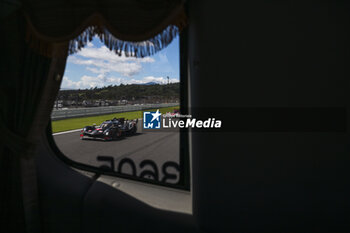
[(105, 68), (101, 81), (102, 60), (105, 54), (100, 66), (67, 83), (84, 82)]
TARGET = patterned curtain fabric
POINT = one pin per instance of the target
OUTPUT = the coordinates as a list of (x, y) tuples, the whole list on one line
[(135, 27), (23, 77)]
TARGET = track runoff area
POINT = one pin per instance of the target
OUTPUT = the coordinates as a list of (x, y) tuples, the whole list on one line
[(159, 146)]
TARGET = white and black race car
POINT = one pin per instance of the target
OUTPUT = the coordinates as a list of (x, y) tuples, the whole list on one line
[(110, 129)]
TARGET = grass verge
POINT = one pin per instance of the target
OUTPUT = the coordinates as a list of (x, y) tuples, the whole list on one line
[(77, 123)]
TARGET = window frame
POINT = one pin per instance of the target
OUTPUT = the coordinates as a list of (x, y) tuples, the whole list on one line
[(184, 182)]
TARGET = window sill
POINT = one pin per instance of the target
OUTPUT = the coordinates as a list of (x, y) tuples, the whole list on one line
[(156, 196)]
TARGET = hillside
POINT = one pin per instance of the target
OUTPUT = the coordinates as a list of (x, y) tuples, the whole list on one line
[(131, 93)]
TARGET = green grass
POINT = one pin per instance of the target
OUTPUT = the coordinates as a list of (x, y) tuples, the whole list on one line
[(77, 123)]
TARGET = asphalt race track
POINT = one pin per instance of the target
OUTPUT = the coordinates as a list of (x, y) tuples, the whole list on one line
[(158, 146)]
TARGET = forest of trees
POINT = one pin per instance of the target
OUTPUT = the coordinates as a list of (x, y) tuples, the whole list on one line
[(112, 95)]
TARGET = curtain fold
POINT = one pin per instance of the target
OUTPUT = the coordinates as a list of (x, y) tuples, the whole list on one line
[(24, 78)]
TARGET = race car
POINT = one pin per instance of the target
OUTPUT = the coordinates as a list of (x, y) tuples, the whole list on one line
[(110, 129)]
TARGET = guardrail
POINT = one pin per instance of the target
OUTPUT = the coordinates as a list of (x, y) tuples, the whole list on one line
[(59, 114)]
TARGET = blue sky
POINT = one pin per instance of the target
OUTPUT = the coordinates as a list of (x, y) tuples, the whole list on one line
[(97, 66)]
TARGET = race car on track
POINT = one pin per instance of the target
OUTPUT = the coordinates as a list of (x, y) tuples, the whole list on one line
[(110, 129)]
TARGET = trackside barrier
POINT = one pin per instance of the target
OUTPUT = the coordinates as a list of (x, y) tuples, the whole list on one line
[(59, 114)]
